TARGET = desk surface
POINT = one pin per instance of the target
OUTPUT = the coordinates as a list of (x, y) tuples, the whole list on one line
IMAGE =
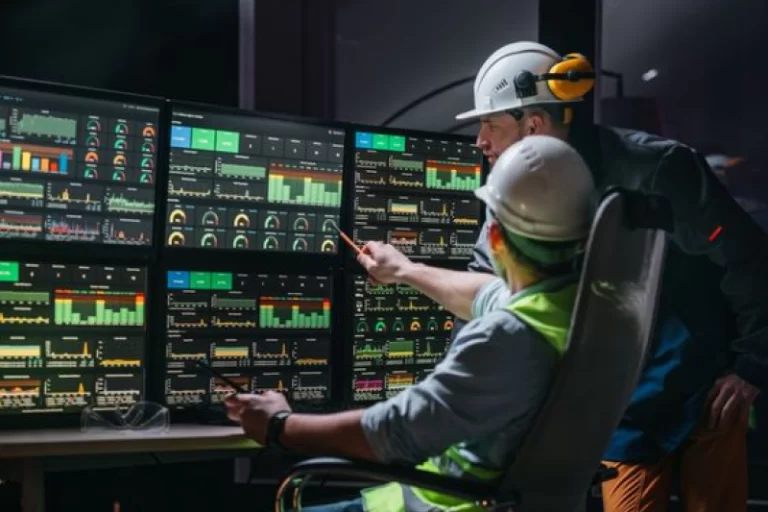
[(56, 442)]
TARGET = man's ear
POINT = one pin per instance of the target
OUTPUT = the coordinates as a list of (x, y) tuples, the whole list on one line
[(495, 236), (535, 124)]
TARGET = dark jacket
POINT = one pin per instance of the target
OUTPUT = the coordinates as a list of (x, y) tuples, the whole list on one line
[(714, 310)]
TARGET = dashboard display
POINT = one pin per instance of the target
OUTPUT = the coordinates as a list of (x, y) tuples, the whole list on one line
[(417, 194), (74, 169), (248, 183), (262, 331), (70, 336), (399, 336)]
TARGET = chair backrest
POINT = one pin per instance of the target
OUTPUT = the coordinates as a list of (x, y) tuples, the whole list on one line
[(611, 331)]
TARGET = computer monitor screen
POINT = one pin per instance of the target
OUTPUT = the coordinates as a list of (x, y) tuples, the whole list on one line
[(241, 182), (70, 336), (262, 331), (399, 336), (416, 193), (74, 169)]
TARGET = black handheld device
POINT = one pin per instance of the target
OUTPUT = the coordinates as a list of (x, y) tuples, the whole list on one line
[(210, 370)]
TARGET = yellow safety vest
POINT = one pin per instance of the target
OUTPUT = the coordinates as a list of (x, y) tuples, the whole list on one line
[(546, 312)]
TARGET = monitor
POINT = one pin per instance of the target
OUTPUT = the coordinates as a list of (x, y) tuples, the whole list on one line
[(262, 331), (77, 169), (247, 183), (417, 193), (399, 336), (70, 336)]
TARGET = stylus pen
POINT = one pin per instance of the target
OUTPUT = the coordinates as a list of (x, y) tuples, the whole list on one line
[(227, 381), (346, 239)]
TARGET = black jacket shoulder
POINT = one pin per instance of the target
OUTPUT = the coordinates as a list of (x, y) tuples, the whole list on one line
[(629, 158)]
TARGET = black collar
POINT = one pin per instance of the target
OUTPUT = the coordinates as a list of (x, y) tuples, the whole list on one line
[(585, 138)]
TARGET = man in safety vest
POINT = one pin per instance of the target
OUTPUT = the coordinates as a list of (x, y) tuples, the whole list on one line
[(469, 416), (689, 412)]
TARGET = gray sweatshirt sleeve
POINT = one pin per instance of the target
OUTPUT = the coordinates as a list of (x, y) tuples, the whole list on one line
[(496, 372), (481, 259), (493, 295)]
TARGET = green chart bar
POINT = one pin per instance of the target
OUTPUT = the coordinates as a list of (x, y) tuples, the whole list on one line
[(407, 165), (23, 297), (75, 311), (292, 317), (300, 189), (243, 171), (369, 351), (17, 157), (400, 348), (452, 179), (120, 204)]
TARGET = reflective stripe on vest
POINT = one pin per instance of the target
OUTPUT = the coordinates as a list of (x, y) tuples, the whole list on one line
[(546, 312), (388, 497)]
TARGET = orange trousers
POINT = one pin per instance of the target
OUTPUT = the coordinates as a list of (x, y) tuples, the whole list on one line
[(713, 475)]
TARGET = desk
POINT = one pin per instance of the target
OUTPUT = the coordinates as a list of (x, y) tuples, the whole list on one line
[(22, 453)]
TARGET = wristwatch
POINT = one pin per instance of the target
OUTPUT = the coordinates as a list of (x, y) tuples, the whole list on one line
[(275, 428)]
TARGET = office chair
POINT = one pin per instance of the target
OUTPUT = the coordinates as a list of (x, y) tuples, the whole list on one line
[(611, 331)]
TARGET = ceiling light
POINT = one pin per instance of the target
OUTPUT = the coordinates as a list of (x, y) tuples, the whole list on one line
[(650, 75)]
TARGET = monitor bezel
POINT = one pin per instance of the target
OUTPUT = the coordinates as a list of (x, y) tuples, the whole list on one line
[(39, 420), (351, 268), (265, 257), (156, 388), (349, 195), (115, 251)]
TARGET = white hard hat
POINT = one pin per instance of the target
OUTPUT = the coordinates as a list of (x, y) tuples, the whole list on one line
[(540, 188), (525, 74)]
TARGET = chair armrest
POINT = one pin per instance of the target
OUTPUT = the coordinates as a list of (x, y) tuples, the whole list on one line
[(330, 466)]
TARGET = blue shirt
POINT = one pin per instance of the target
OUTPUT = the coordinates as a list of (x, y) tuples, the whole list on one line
[(657, 423)]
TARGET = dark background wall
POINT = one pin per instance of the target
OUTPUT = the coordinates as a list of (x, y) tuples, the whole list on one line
[(707, 54), (182, 49), (414, 47)]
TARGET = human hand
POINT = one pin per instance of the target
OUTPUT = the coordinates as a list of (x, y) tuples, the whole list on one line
[(730, 397), (254, 411), (383, 262)]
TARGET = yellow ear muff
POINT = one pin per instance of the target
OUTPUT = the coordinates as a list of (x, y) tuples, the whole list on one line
[(567, 90)]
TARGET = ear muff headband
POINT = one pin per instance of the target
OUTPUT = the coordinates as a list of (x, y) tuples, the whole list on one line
[(568, 80)]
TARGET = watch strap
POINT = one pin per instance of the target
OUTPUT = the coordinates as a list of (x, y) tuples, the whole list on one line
[(275, 428)]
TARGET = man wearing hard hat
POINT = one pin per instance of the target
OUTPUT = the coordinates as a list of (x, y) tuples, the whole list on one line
[(468, 426), (689, 411)]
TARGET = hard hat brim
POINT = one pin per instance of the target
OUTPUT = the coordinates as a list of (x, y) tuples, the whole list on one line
[(482, 194), (478, 113)]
